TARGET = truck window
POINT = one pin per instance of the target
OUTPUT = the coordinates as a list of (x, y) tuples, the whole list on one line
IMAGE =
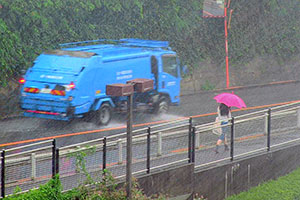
[(170, 64), (154, 65)]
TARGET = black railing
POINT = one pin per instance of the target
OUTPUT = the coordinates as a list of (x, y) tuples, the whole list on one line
[(232, 139), (269, 130), (189, 128), (104, 155), (148, 149), (3, 174)]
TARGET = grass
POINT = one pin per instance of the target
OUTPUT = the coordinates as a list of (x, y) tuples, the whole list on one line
[(284, 188)]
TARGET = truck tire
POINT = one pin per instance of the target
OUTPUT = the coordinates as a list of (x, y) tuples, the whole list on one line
[(162, 106), (89, 117), (103, 114)]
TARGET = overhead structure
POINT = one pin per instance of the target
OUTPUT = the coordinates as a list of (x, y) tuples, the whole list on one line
[(213, 8), (218, 9)]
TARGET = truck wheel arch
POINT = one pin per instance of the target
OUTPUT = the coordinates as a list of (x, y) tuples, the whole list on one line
[(165, 95), (103, 114), (97, 104)]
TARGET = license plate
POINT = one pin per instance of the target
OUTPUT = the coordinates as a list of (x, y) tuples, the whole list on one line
[(45, 90)]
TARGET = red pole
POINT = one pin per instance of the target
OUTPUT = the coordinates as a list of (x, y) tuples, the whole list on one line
[(226, 44)]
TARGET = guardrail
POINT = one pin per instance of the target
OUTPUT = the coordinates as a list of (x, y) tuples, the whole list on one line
[(155, 147), (256, 127)]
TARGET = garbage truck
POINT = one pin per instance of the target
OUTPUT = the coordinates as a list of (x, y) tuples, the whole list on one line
[(70, 82)]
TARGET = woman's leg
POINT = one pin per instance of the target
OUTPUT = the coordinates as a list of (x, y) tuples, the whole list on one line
[(225, 130), (220, 140), (226, 145)]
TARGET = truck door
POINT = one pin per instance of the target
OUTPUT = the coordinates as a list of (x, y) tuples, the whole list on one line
[(170, 77)]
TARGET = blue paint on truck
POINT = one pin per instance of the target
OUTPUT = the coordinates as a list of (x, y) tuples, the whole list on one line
[(70, 82)]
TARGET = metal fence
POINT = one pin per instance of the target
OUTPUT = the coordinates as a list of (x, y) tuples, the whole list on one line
[(249, 134), (27, 166), (154, 148)]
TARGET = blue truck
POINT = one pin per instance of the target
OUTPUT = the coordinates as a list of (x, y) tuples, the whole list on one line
[(70, 82)]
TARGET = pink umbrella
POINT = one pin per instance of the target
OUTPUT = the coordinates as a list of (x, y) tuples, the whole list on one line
[(230, 99)]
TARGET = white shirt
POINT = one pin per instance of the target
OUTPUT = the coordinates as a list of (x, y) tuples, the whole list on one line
[(223, 117)]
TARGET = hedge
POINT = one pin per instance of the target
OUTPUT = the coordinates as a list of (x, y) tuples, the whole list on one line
[(258, 27)]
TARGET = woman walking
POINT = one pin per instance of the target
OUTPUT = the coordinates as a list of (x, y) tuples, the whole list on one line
[(224, 114)]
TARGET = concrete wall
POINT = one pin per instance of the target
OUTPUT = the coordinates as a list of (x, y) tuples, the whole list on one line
[(218, 182), (245, 173), (172, 182)]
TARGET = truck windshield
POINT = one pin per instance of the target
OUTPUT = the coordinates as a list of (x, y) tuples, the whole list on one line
[(170, 64)]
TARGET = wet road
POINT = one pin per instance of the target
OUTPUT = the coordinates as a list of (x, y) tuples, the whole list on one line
[(17, 129)]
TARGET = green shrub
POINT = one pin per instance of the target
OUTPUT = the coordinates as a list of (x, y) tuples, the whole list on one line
[(48, 191), (106, 189), (259, 27)]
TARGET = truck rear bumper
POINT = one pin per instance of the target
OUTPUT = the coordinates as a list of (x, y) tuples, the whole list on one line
[(46, 115), (67, 115), (51, 108)]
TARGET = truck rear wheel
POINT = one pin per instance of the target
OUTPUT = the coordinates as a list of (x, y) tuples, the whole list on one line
[(103, 114), (162, 106)]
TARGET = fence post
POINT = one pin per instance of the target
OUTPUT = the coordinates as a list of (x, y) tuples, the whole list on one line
[(269, 130), (53, 157), (77, 169), (266, 124), (57, 161), (298, 118), (104, 155), (120, 147), (226, 184), (148, 149), (232, 139), (190, 139), (197, 140), (159, 144), (3, 173), (33, 166), (193, 144)]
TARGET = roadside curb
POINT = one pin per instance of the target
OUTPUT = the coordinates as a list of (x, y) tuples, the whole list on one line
[(241, 87), (11, 117)]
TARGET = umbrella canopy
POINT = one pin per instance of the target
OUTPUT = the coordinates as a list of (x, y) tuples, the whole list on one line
[(230, 99)]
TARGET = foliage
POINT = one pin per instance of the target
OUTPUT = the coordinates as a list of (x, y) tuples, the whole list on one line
[(258, 27), (285, 188), (10, 53), (106, 189), (80, 156), (265, 28), (49, 191)]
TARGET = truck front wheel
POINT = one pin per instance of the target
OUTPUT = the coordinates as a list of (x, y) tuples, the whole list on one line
[(162, 106), (103, 114)]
